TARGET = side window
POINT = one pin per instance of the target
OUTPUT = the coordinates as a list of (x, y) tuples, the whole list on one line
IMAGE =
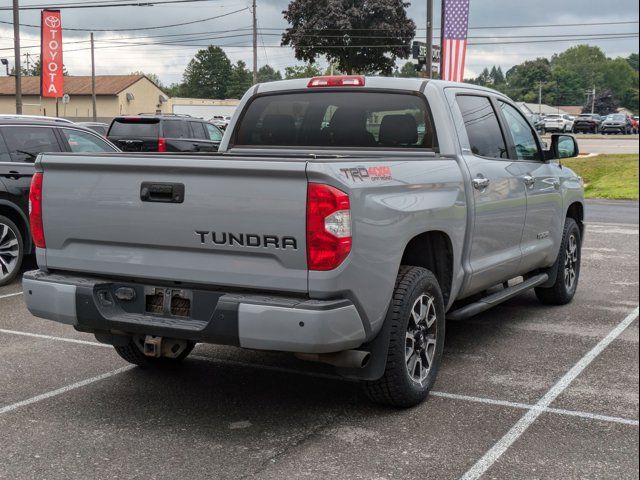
[(4, 151), (214, 134), (83, 142), (526, 147), (25, 143), (483, 129), (198, 130), (175, 129)]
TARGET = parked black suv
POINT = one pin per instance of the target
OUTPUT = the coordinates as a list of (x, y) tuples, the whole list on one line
[(164, 133), (21, 140), (587, 123)]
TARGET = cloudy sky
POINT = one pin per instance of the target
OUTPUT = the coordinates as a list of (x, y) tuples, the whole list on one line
[(489, 44)]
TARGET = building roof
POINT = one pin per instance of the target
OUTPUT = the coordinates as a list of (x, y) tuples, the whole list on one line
[(543, 109), (73, 85), (572, 109)]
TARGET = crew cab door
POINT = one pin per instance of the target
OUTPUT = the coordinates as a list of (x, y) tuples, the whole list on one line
[(498, 193), (545, 215)]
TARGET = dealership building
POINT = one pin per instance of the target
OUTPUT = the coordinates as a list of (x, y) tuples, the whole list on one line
[(115, 95)]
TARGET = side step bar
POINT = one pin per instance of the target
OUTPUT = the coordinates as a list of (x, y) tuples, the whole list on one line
[(492, 300)]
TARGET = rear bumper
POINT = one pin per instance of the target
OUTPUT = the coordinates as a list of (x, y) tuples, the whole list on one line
[(245, 320)]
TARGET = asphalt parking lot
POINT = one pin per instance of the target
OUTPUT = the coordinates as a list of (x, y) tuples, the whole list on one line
[(526, 391)]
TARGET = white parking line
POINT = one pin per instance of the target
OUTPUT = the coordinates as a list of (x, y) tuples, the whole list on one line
[(273, 368), (10, 295), (49, 337), (495, 452), (60, 391)]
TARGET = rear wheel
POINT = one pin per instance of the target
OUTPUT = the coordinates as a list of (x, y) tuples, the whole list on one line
[(416, 340), (567, 268), (133, 353), (11, 250)]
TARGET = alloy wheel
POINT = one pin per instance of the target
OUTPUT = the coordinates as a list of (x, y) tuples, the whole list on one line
[(571, 263), (420, 345), (9, 251)]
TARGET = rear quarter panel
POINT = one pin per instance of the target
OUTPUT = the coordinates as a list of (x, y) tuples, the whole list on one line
[(419, 195)]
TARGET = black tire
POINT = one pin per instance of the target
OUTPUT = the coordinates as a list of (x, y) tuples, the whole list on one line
[(11, 251), (132, 354), (564, 288), (397, 387)]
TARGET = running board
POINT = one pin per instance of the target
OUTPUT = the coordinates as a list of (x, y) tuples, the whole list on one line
[(492, 300)]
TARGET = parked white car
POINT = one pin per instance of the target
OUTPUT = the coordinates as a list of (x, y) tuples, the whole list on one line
[(556, 122)]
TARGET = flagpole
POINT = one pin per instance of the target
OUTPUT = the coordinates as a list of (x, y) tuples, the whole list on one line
[(442, 49)]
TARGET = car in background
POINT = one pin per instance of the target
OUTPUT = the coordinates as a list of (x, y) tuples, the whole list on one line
[(221, 121), (557, 122), (617, 123), (22, 139), (587, 123), (98, 127), (164, 133), (12, 116), (635, 124)]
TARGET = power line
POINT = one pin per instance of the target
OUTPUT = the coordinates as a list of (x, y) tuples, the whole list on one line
[(157, 27), (105, 4)]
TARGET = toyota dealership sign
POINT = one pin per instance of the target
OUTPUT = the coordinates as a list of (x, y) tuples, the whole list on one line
[(51, 77)]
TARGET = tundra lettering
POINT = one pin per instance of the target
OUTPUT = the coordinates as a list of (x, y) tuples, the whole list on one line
[(246, 240)]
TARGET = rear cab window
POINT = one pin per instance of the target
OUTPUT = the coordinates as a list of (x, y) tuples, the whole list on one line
[(135, 127), (337, 119)]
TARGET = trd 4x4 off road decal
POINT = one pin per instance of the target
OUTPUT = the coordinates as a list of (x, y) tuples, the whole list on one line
[(373, 174)]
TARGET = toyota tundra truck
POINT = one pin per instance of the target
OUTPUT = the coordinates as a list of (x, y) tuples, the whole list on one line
[(344, 219)]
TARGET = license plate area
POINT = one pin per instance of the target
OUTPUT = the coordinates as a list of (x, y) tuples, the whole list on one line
[(168, 301)]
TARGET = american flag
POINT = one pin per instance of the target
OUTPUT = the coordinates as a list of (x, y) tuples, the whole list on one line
[(455, 18)]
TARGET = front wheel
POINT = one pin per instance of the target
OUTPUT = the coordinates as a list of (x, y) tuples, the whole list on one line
[(567, 268), (11, 251), (416, 340)]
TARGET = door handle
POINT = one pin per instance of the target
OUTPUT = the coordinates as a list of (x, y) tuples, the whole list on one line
[(529, 181), (480, 183)]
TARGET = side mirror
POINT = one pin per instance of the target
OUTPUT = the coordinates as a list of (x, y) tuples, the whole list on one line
[(562, 146)]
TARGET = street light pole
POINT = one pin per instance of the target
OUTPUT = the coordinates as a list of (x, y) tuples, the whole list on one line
[(16, 51), (93, 81), (255, 44), (429, 39)]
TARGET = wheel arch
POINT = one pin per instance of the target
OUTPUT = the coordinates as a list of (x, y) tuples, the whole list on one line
[(17, 216), (576, 211), (432, 250)]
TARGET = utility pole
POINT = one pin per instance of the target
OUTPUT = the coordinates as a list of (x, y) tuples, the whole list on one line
[(16, 51), (429, 59), (255, 44), (93, 81), (593, 100), (27, 56), (540, 98)]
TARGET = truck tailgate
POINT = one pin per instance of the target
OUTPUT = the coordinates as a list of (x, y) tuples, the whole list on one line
[(240, 223)]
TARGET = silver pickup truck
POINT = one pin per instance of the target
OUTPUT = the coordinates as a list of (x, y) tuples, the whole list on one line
[(343, 220)]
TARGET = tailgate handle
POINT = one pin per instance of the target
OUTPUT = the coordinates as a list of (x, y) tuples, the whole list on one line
[(162, 192)]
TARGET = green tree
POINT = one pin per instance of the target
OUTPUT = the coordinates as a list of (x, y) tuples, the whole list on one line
[(632, 60), (207, 74), (266, 73), (496, 76), (408, 70), (302, 71), (586, 62), (524, 80), (358, 36), (239, 81), (622, 80), (605, 103)]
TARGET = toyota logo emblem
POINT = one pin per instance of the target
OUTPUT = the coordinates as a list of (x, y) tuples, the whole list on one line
[(52, 22)]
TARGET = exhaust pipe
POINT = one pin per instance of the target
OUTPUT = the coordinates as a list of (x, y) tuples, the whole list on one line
[(345, 359)]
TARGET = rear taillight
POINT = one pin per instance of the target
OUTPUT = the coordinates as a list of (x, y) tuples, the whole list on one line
[(35, 210), (328, 227), (162, 145)]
